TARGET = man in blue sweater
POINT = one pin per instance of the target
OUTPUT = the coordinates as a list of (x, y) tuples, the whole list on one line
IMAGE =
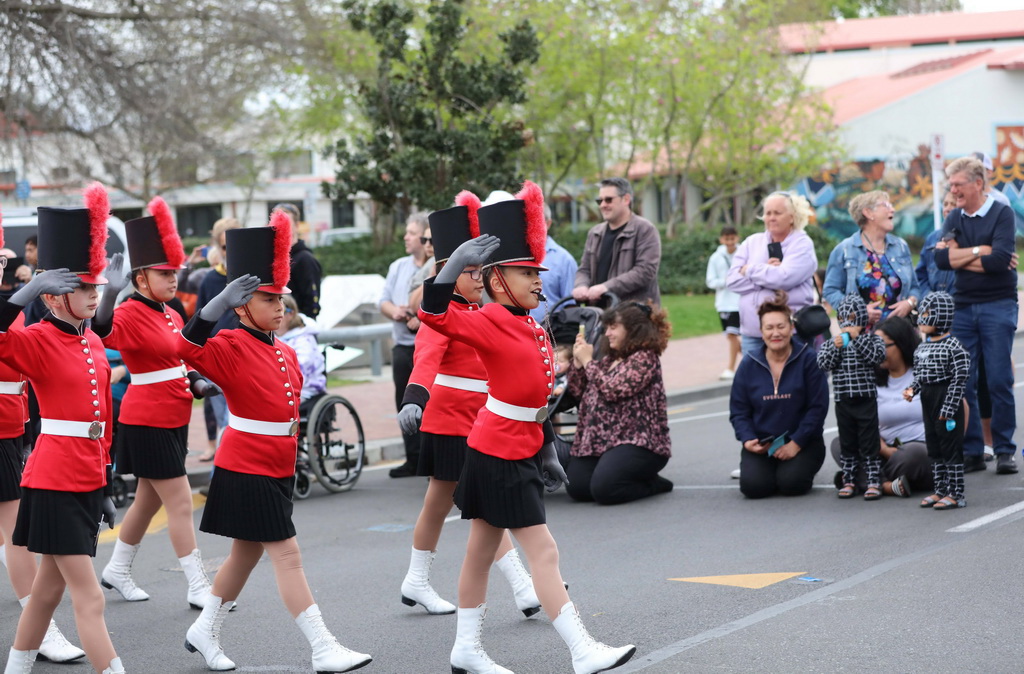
[(979, 245)]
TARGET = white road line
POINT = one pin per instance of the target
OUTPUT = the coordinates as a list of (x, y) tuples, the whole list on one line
[(699, 416), (987, 519)]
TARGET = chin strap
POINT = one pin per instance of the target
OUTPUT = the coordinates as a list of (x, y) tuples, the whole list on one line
[(67, 307), (248, 315), (504, 286)]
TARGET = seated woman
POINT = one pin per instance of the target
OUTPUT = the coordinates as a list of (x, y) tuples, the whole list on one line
[(905, 464), (777, 407), (622, 432), (301, 336)]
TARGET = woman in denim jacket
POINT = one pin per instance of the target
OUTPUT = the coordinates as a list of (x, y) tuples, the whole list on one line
[(873, 262)]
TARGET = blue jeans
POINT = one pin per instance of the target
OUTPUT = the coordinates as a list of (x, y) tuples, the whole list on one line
[(986, 329), (750, 344)]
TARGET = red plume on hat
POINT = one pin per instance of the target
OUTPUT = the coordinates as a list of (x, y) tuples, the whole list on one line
[(165, 227), (536, 228), (472, 204), (98, 203), (282, 226)]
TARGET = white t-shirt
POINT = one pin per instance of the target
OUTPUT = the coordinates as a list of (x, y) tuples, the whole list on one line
[(896, 417)]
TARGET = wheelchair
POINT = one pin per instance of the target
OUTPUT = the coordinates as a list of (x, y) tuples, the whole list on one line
[(331, 444)]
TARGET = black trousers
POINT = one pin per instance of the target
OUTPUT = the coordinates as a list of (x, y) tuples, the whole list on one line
[(401, 370), (910, 459), (762, 475), (622, 474), (946, 447), (857, 420)]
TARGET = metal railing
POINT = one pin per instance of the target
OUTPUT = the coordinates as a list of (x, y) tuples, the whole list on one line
[(375, 334)]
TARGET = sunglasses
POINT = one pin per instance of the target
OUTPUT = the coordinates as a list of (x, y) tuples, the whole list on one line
[(426, 239), (474, 274), (604, 200)]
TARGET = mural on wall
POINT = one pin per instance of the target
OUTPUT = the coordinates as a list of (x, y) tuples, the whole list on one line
[(908, 181)]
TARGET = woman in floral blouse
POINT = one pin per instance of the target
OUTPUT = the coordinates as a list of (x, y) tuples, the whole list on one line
[(622, 435)]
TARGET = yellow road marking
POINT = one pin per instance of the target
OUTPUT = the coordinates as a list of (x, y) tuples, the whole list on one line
[(752, 581), (158, 523)]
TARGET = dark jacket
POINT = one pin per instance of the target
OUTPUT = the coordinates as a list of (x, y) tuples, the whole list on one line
[(636, 257), (798, 405), (305, 280)]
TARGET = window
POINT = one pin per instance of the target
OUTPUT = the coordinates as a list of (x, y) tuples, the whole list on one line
[(198, 220), (60, 174), (8, 176), (296, 162), (343, 213)]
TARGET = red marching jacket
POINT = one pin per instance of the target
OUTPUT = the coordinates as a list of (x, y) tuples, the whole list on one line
[(453, 408), (261, 380), (519, 361), (146, 334), (71, 377), (13, 406)]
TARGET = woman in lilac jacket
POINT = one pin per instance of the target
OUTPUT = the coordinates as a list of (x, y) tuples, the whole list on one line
[(780, 258)]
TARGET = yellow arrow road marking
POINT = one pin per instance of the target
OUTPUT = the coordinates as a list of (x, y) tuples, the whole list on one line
[(158, 523), (752, 581)]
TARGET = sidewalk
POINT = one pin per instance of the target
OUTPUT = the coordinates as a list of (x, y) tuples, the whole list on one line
[(690, 367)]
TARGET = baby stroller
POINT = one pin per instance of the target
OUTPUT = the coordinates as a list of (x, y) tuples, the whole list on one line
[(564, 322)]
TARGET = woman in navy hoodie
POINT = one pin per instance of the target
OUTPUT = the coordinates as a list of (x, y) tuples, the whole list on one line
[(777, 408)]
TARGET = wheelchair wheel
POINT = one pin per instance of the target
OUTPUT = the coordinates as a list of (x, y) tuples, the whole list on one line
[(335, 443), (303, 484)]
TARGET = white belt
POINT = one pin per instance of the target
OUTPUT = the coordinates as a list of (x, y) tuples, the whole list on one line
[(515, 412), (14, 388), (279, 428), (73, 429), (461, 383), (157, 376)]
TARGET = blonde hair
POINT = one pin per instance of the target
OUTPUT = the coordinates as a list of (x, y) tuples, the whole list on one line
[(797, 206), (296, 318), (969, 166), (221, 226), (865, 202)]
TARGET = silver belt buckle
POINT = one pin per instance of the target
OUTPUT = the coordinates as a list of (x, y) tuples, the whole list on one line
[(184, 371), (294, 428), (542, 415), (95, 430)]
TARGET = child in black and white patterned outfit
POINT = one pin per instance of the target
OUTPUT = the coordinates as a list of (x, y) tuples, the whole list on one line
[(941, 368), (851, 357)]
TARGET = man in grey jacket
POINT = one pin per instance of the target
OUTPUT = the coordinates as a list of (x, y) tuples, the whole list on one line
[(622, 254)]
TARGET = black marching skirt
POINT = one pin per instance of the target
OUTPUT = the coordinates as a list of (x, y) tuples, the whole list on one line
[(505, 494), (152, 453), (441, 456), (10, 468), (249, 507), (59, 522)]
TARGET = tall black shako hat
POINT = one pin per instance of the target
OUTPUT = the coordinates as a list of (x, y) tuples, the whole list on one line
[(451, 227), (264, 252), (76, 238), (153, 241), (519, 224)]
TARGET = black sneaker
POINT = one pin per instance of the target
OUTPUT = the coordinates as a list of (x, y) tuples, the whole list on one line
[(1005, 465), (976, 462), (405, 470)]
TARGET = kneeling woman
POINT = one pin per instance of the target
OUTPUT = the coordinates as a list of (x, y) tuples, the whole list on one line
[(65, 486), (510, 455), (777, 407), (622, 435), (250, 492)]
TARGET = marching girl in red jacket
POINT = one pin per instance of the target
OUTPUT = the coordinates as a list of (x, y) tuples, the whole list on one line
[(20, 562), (250, 492), (152, 437), (510, 456), (449, 375), (65, 482)]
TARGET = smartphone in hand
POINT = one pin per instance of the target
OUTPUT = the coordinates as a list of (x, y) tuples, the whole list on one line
[(777, 443), (775, 250)]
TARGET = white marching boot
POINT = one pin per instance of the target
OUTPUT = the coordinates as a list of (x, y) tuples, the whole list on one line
[(20, 662), (468, 655), (522, 583), (199, 586), (328, 654), (117, 574), (115, 667), (55, 646), (588, 654), (204, 635), (416, 587)]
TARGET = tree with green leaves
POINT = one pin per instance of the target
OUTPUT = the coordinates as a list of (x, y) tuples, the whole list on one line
[(433, 117)]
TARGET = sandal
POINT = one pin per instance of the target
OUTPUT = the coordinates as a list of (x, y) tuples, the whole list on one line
[(930, 501), (900, 487), (847, 491), (949, 503), (872, 493)]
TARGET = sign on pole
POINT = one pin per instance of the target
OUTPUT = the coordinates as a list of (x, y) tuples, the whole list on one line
[(938, 155)]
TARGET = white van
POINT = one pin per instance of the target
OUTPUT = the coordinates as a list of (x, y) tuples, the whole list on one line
[(21, 223)]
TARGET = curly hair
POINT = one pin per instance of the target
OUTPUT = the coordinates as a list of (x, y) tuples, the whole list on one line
[(647, 328), (778, 304), (797, 206)]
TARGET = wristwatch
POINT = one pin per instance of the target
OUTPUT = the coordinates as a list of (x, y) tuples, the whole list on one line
[(976, 251)]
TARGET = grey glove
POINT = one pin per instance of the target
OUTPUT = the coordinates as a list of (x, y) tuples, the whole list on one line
[(204, 388), (409, 418), (237, 293), (109, 511), (117, 280), (474, 251), (50, 282), (552, 472)]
